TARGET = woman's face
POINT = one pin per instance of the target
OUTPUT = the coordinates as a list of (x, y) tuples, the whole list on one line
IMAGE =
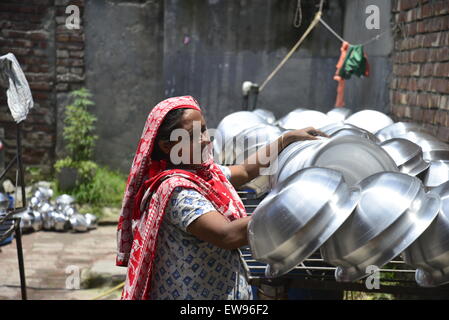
[(189, 142)]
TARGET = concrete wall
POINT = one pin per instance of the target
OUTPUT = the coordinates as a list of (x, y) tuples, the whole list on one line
[(211, 47), (371, 92), (124, 43)]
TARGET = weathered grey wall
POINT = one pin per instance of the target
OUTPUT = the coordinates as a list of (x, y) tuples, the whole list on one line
[(138, 52), (124, 42), (371, 92), (211, 47)]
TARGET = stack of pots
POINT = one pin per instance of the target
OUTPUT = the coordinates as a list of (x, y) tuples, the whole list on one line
[(358, 196)]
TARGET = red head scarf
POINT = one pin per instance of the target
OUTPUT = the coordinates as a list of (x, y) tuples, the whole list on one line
[(139, 223)]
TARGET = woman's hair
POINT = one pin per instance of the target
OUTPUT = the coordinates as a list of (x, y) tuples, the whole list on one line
[(171, 122)]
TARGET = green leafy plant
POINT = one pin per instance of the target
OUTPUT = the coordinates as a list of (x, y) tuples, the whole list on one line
[(79, 137), (79, 126)]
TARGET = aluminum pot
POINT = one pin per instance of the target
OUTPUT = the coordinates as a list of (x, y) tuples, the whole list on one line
[(393, 211), (357, 158), (398, 129), (303, 119), (61, 222), (407, 155), (35, 203), (266, 115), (437, 173), (339, 114), (430, 252), (48, 218), (37, 220), (292, 159), (91, 221), (64, 201), (26, 220), (428, 143), (370, 120), (79, 223), (230, 126), (249, 141), (298, 216), (358, 132)]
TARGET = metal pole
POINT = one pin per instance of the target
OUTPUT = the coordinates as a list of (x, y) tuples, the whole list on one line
[(20, 258), (20, 165)]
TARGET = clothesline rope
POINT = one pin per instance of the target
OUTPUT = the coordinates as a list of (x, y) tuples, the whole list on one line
[(375, 38), (316, 20)]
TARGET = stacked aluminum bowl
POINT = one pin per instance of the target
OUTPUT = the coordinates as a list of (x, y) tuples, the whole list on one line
[(358, 195)]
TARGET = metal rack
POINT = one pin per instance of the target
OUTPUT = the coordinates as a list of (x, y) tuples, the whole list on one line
[(10, 224), (314, 273)]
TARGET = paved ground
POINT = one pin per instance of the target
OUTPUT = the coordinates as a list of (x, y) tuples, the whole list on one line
[(54, 261)]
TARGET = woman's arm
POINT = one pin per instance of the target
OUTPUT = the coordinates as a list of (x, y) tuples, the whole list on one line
[(250, 169), (215, 228)]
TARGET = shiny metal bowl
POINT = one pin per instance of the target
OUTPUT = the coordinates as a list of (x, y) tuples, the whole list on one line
[(398, 129), (298, 216), (231, 126), (292, 160), (300, 119), (91, 221), (339, 114), (48, 218), (357, 132), (393, 211), (249, 141), (429, 144), (266, 115), (357, 158), (437, 173), (407, 155), (430, 252), (370, 120), (61, 222), (37, 220), (79, 223)]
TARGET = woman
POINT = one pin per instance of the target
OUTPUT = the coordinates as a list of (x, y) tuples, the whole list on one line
[(180, 225)]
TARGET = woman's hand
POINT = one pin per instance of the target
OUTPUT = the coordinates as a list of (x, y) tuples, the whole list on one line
[(309, 133)]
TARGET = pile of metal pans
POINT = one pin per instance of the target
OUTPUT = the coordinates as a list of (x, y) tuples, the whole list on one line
[(393, 211), (430, 252), (298, 216), (314, 202), (61, 216)]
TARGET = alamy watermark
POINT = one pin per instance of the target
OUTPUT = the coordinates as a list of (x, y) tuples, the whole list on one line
[(372, 282), (72, 22), (372, 22), (73, 280)]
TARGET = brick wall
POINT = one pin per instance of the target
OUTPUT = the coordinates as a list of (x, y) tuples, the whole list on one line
[(52, 58), (419, 89)]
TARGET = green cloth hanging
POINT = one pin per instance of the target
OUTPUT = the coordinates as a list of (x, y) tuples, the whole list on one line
[(355, 63)]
